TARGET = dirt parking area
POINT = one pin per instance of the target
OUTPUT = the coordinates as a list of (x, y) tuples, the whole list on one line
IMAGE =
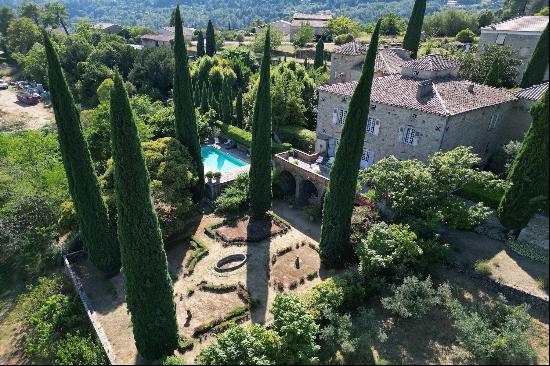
[(14, 114)]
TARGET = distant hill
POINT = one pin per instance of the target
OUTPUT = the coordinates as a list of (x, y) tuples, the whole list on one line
[(237, 13)]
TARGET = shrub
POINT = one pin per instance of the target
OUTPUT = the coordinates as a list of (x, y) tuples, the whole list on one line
[(78, 350), (343, 38), (297, 330), (362, 220), (413, 299), (338, 293), (299, 137), (484, 187), (337, 334), (171, 360), (494, 335), (388, 250), (243, 345), (465, 36), (482, 267), (501, 161), (530, 251), (312, 211), (235, 197), (244, 137)]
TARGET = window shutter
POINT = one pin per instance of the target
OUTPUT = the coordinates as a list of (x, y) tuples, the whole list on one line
[(335, 116), (401, 133), (371, 157), (376, 127), (415, 138)]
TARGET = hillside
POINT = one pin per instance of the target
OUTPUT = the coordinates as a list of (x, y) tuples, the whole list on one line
[(238, 13)]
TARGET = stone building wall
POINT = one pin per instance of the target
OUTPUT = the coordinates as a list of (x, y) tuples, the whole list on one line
[(523, 42), (349, 66), (472, 129), (388, 141)]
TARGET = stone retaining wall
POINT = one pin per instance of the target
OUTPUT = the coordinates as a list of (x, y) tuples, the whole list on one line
[(88, 306)]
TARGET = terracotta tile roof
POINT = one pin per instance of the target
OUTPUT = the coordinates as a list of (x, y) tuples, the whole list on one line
[(445, 97), (520, 24), (351, 49), (431, 63), (533, 93)]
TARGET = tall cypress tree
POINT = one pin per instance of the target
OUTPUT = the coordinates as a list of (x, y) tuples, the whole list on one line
[(340, 194), (536, 68), (200, 45), (260, 157), (239, 109), (210, 40), (97, 234), (184, 111), (319, 54), (204, 99), (528, 176), (148, 286), (411, 41)]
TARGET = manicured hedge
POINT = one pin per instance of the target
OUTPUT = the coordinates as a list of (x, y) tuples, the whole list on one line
[(477, 192), (299, 137), (243, 137)]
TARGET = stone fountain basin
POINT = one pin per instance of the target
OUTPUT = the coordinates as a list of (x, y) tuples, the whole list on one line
[(230, 263)]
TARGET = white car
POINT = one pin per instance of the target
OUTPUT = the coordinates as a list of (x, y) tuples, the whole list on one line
[(3, 85)]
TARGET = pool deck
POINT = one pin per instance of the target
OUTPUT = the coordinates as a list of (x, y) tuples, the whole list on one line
[(230, 175)]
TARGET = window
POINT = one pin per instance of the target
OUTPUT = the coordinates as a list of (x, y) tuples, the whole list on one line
[(367, 158), (493, 121), (342, 116), (373, 125), (366, 155), (408, 136), (500, 38)]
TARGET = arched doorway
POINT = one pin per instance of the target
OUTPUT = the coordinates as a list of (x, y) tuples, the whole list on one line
[(286, 184), (308, 193)]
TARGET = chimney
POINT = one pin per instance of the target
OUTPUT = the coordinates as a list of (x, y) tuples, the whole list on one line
[(471, 88), (425, 88)]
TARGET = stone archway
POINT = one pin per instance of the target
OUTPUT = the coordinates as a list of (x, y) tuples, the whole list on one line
[(287, 184), (307, 193)]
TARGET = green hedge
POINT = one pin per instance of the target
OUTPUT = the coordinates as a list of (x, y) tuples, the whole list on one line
[(477, 192), (244, 137), (299, 137)]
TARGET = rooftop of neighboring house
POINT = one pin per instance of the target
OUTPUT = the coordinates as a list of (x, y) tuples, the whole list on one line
[(388, 59), (172, 30), (281, 21), (431, 63), (105, 25), (315, 20), (158, 37), (444, 97), (519, 24), (533, 93)]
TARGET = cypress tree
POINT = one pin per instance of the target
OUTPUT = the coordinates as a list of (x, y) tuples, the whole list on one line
[(536, 68), (210, 40), (340, 194), (184, 111), (411, 41), (528, 176), (260, 157), (204, 99), (200, 45), (148, 286), (319, 54), (239, 109), (493, 77), (97, 234)]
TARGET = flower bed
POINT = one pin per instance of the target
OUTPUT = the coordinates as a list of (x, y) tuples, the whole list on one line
[(249, 230), (200, 250)]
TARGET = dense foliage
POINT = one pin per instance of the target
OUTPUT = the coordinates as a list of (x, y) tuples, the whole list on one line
[(58, 330), (235, 197), (340, 194), (151, 302)]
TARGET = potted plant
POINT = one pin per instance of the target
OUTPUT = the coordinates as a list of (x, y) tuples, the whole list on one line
[(209, 176), (217, 177)]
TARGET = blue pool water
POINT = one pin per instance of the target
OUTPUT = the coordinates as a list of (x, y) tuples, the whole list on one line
[(215, 160)]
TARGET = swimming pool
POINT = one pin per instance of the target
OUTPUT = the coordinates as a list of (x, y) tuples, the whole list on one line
[(215, 160)]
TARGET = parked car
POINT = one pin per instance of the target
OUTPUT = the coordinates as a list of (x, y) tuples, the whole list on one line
[(3, 85)]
